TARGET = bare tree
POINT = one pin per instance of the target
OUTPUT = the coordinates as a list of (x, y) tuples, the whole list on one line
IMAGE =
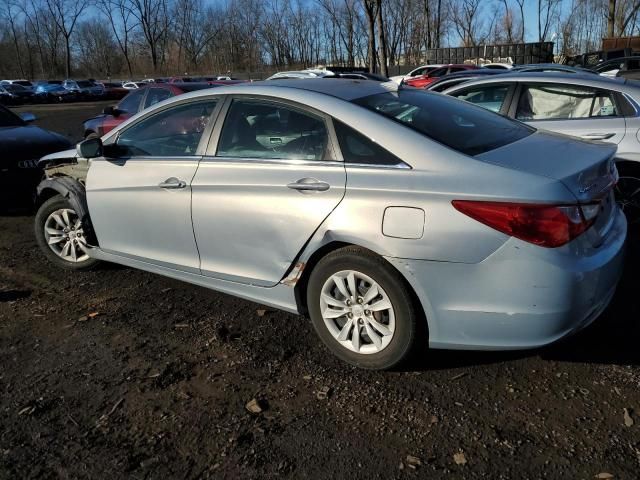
[(547, 13), (153, 21), (65, 14), (468, 22), (382, 40), (122, 25)]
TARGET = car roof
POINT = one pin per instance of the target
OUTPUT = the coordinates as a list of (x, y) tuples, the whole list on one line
[(345, 89), (586, 79)]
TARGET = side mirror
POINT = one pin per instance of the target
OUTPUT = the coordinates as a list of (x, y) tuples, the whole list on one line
[(90, 148), (112, 111), (28, 117)]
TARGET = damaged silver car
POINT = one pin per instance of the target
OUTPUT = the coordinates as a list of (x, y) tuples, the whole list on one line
[(395, 218)]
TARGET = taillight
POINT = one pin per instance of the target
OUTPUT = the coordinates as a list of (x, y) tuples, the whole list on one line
[(544, 225)]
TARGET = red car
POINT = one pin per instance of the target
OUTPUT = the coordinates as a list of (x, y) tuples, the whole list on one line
[(430, 77), (114, 91), (137, 100)]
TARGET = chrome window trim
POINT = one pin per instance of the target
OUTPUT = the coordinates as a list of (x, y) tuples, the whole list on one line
[(401, 166), (293, 161), (271, 161)]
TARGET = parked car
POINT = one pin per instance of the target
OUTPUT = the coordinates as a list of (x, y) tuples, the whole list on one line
[(53, 91), (310, 73), (448, 81), (628, 67), (114, 90), (23, 83), (15, 94), (549, 67), (135, 101), (134, 85), (498, 66), (586, 106), (455, 226), (416, 72), (433, 75), (84, 88), (22, 146)]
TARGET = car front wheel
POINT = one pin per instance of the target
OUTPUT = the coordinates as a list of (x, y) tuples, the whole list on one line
[(362, 309), (60, 235)]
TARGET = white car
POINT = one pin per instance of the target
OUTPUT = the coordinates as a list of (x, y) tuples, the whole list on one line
[(416, 72), (133, 85), (498, 66), (309, 73)]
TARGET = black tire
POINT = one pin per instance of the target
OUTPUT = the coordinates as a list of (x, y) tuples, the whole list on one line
[(627, 191), (408, 324), (47, 208)]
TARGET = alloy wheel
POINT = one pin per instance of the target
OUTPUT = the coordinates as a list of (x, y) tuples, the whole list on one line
[(64, 234), (357, 312)]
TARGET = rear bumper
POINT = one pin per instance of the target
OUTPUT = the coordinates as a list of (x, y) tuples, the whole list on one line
[(522, 296)]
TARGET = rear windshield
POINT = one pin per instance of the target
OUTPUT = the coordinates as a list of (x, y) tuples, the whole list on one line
[(24, 83), (463, 127)]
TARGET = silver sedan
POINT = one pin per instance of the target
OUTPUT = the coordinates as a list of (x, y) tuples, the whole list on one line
[(588, 106), (394, 218)]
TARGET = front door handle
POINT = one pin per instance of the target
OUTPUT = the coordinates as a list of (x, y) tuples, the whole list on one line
[(309, 185), (173, 182), (597, 136)]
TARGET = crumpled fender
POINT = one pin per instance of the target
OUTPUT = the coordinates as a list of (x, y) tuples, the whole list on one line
[(75, 193)]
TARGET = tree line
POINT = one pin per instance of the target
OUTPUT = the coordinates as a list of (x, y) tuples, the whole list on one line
[(135, 38)]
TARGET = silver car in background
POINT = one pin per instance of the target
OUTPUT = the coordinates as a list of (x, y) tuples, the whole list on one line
[(587, 106), (391, 216)]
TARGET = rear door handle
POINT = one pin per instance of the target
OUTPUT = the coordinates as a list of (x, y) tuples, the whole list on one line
[(597, 136), (172, 182), (309, 185)]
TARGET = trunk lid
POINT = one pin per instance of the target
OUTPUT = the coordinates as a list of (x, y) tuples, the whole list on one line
[(587, 169)]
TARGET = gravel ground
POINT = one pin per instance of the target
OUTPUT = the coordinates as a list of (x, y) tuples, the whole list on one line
[(118, 373)]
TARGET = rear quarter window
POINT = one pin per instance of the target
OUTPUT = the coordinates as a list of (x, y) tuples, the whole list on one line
[(457, 124)]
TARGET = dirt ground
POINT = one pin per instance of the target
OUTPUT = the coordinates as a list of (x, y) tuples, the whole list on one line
[(118, 373)]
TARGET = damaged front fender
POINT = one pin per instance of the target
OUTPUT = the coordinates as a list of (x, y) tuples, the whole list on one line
[(74, 191)]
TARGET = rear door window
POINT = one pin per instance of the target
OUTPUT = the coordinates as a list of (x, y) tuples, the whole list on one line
[(491, 97), (270, 130), (156, 95), (131, 103), (563, 102)]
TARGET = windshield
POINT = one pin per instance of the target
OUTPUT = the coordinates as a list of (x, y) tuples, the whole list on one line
[(8, 119), (463, 127), (24, 83), (84, 83)]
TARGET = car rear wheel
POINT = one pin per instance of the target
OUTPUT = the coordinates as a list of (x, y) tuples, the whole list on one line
[(60, 235), (362, 309), (627, 192)]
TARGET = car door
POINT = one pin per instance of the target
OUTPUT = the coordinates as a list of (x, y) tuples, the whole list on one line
[(269, 179), (140, 196), (586, 112)]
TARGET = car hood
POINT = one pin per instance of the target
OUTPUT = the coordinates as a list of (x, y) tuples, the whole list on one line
[(585, 168), (62, 155), (30, 142)]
